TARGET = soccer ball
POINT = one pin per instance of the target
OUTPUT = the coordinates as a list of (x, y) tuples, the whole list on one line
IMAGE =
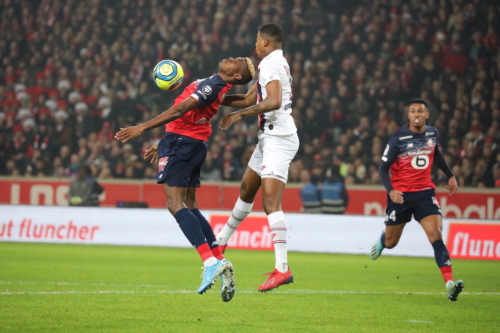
[(168, 75)]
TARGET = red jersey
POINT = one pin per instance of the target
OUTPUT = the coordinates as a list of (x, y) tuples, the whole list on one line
[(209, 93), (411, 156)]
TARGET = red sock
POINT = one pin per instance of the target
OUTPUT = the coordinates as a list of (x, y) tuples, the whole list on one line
[(447, 273), (216, 251), (204, 251)]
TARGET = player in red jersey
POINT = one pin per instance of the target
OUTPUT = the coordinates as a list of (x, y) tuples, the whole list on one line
[(409, 155), (181, 154)]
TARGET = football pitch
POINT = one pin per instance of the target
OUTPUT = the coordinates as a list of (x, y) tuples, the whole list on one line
[(78, 288)]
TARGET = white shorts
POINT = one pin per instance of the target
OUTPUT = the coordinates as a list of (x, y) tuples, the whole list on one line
[(273, 154)]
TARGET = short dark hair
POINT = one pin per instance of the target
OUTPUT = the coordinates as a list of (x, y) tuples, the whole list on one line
[(273, 31), (417, 101)]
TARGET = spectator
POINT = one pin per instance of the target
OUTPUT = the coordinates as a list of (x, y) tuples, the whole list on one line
[(84, 189), (353, 68), (334, 198), (310, 193)]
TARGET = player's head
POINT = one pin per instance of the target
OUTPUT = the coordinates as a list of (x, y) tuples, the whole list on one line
[(417, 112), (269, 38), (236, 70)]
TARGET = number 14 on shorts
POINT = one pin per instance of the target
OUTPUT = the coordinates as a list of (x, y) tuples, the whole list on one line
[(391, 216)]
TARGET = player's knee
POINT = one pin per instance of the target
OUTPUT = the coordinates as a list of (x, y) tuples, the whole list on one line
[(270, 205), (247, 193), (391, 242), (434, 235), (174, 205)]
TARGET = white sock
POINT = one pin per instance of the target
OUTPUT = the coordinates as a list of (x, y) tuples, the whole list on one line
[(240, 211), (210, 262), (277, 224)]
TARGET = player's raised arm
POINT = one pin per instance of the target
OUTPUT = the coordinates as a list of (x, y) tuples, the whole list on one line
[(242, 101), (270, 103), (125, 134)]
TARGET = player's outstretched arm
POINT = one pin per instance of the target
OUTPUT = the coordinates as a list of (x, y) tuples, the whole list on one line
[(242, 101), (125, 134), (270, 103)]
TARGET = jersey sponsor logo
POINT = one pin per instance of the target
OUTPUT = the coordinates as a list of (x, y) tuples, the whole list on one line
[(429, 133), (288, 106), (162, 163), (405, 137), (430, 143), (420, 152), (207, 90)]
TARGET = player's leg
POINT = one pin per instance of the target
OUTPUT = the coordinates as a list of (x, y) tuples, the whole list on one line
[(181, 156), (272, 192), (188, 223), (279, 152), (249, 187), (387, 240), (397, 215), (433, 226), (204, 224), (228, 287)]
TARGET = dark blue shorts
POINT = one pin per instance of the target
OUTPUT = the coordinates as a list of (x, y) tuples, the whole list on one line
[(179, 160), (419, 204)]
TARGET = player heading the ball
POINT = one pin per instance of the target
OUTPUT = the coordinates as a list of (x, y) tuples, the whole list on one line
[(181, 153)]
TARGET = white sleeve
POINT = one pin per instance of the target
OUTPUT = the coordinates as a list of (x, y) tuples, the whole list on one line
[(269, 73)]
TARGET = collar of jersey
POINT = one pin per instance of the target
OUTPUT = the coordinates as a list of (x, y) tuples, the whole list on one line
[(275, 52)]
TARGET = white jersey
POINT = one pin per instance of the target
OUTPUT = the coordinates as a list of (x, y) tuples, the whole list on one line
[(278, 122)]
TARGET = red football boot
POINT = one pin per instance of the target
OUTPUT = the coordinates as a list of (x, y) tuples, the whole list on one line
[(276, 279)]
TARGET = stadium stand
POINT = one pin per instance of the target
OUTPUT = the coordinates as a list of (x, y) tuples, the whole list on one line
[(73, 72)]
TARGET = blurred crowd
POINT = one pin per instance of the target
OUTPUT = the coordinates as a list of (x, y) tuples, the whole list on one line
[(73, 72)]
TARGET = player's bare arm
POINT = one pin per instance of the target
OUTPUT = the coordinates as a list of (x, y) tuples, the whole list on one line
[(126, 134), (242, 101), (272, 102), (152, 153)]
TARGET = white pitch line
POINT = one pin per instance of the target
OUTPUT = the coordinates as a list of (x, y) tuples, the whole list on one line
[(87, 284), (239, 291), (418, 321)]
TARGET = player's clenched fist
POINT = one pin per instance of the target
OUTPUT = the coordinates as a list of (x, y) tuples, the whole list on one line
[(396, 196)]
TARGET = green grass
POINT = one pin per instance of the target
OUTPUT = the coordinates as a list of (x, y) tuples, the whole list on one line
[(77, 288)]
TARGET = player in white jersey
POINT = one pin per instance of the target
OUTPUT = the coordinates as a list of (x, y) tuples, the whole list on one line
[(278, 144)]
